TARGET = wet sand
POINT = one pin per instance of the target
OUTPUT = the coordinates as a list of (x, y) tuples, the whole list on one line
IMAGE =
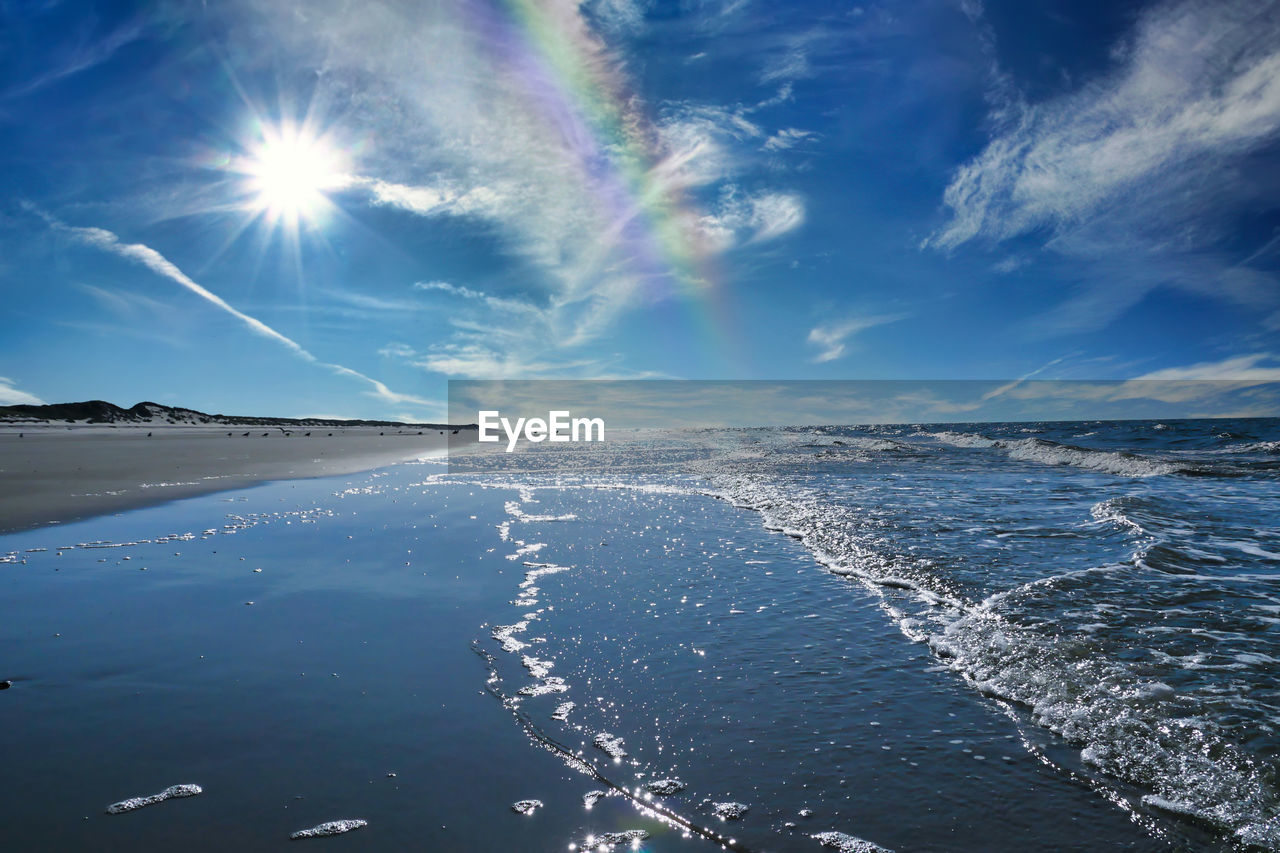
[(52, 474)]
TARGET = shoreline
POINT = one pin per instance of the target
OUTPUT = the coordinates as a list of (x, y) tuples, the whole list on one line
[(53, 474), (225, 662)]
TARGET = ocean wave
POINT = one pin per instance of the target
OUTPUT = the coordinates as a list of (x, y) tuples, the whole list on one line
[(1109, 648), (1128, 725), (1121, 463), (1262, 447), (872, 445), (963, 439), (1046, 452)]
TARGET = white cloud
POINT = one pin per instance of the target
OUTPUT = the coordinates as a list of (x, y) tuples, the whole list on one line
[(444, 198), (832, 338), (11, 396), (698, 143), (1237, 368), (476, 361), (746, 218), (396, 349), (704, 143), (774, 214), (1011, 264), (504, 304), (791, 62), (1135, 175), (1200, 86), (367, 304), (1204, 383), (446, 287), (788, 137), (1201, 81), (618, 15)]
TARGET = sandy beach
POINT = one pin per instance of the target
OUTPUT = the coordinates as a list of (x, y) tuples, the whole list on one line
[(51, 474)]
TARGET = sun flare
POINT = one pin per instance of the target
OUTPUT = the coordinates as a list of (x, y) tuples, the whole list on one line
[(291, 172)]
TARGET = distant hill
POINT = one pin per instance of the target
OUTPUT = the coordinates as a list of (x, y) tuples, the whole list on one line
[(102, 412)]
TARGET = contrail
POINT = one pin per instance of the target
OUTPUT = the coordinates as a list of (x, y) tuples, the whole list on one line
[(100, 238)]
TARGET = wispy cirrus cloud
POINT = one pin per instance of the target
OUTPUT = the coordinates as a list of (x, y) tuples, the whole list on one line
[(832, 338), (10, 395), (786, 138), (618, 15), (1237, 368), (743, 218), (791, 58), (85, 53), (477, 361), (1233, 378), (442, 198), (1200, 87), (1137, 172), (446, 287), (397, 349)]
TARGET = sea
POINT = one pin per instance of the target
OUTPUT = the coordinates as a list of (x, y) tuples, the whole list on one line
[(928, 637)]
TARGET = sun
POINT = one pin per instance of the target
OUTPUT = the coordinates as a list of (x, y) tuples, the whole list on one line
[(290, 173)]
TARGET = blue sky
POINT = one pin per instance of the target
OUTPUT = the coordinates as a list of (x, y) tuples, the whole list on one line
[(332, 208)]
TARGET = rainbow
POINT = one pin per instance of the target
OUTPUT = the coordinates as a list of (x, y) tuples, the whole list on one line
[(610, 148)]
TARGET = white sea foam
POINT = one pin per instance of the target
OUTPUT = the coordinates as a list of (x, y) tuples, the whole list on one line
[(553, 684), (609, 840), (1262, 447), (537, 667), (526, 549), (664, 787), (170, 793), (333, 827), (526, 807), (540, 570), (843, 843), (505, 634), (516, 511), (611, 745), (730, 811)]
